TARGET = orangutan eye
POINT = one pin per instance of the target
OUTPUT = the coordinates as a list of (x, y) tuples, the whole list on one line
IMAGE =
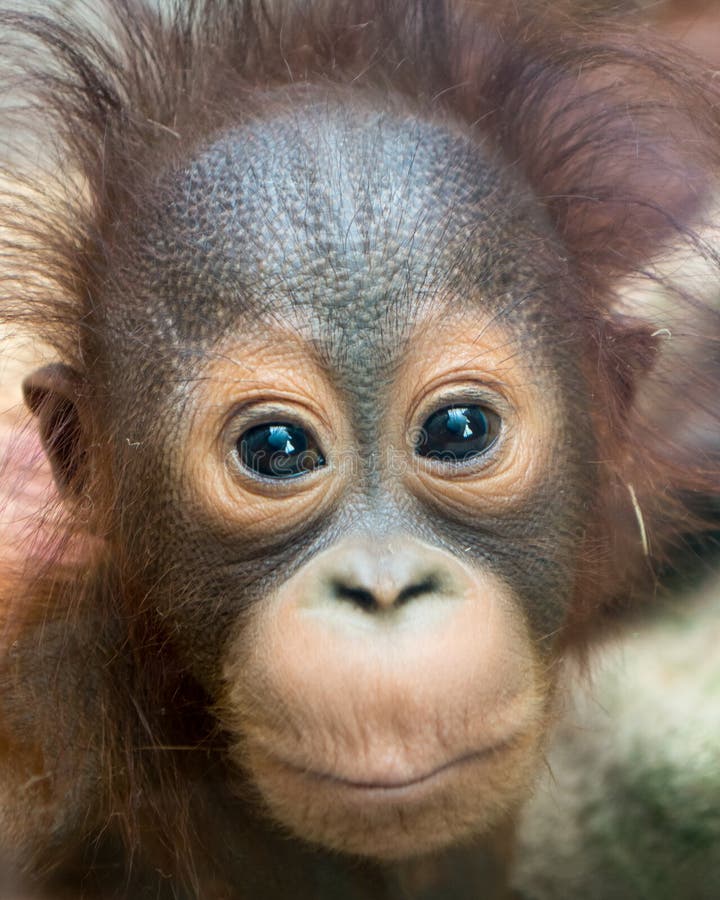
[(279, 450), (458, 433)]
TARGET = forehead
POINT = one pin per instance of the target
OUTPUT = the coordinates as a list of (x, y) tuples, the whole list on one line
[(343, 222)]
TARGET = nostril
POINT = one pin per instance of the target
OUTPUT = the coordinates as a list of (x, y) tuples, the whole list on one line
[(369, 601), (359, 596), (426, 586)]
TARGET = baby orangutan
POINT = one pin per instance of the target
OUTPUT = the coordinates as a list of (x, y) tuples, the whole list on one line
[(352, 438)]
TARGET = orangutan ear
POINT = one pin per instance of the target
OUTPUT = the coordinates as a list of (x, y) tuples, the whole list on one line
[(52, 394)]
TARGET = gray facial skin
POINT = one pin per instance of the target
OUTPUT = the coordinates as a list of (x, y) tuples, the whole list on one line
[(344, 224)]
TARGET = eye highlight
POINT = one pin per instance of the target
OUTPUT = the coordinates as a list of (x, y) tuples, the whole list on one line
[(279, 450), (455, 434)]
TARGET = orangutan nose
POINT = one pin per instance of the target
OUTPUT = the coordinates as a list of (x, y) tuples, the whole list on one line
[(376, 578)]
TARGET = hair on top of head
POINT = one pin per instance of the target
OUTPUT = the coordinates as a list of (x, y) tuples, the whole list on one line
[(592, 119)]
